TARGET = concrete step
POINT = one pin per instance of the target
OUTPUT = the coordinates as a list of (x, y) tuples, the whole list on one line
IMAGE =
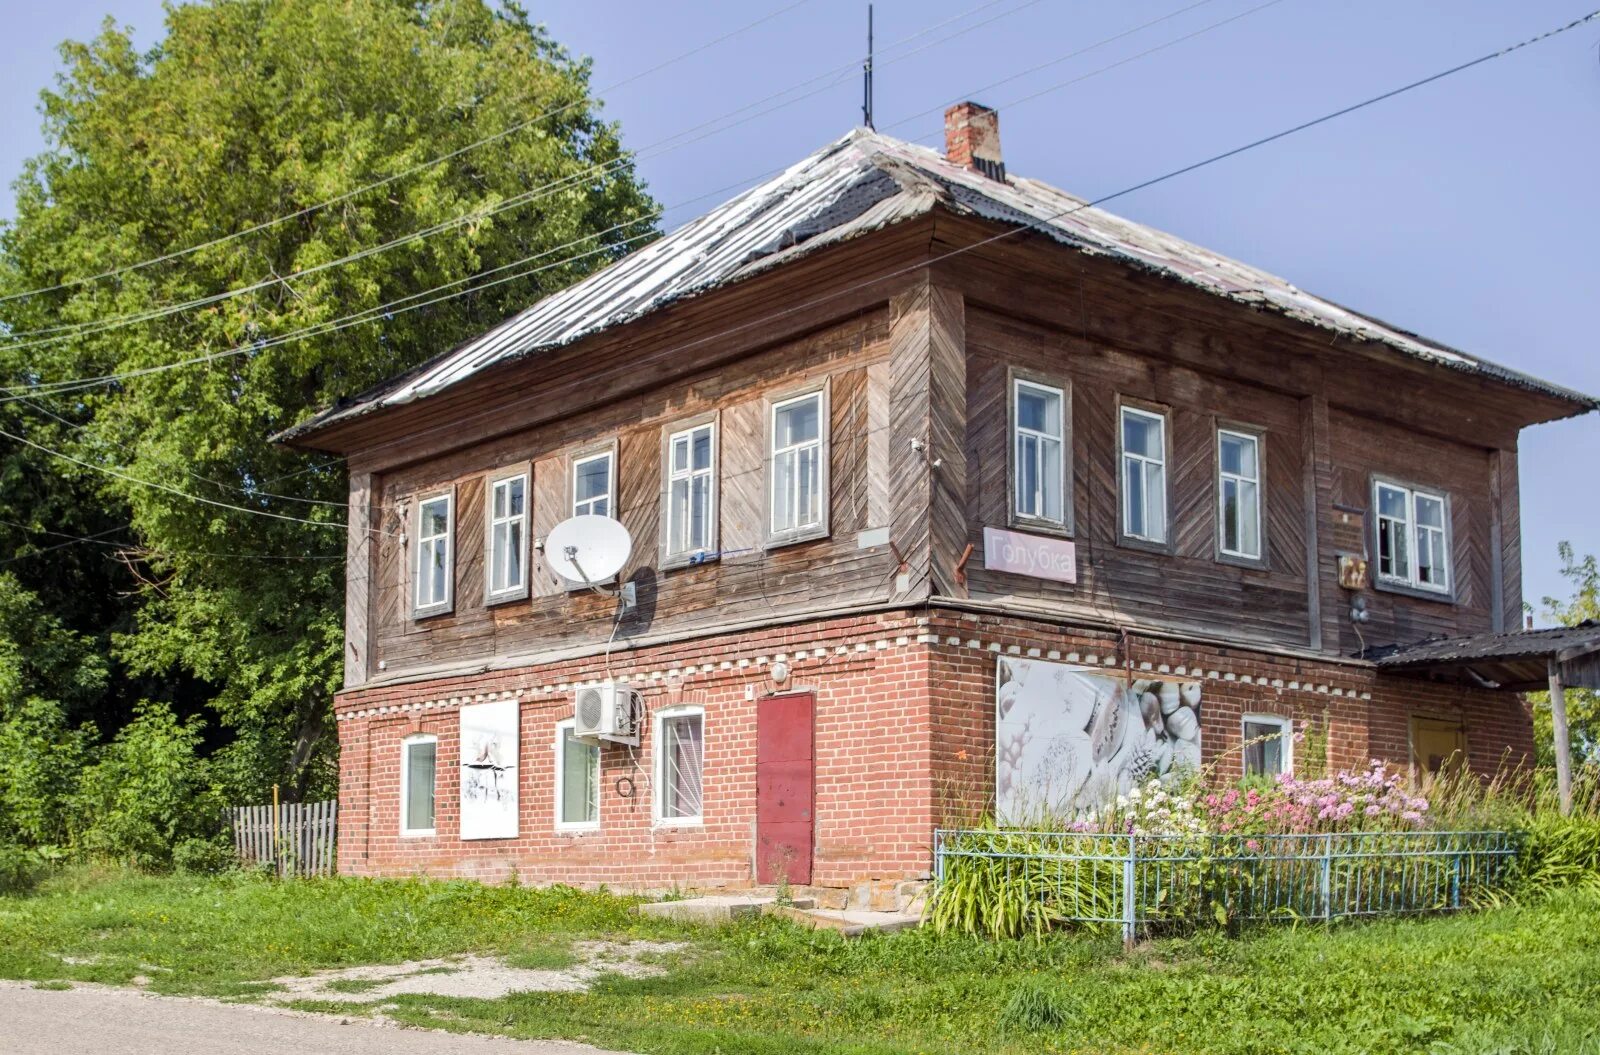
[(716, 908), (851, 923)]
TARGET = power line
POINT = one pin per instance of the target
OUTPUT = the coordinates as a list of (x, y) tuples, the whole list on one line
[(98, 539), (404, 173)]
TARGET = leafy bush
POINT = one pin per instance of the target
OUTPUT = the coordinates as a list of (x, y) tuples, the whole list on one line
[(41, 762), (19, 868), (204, 856)]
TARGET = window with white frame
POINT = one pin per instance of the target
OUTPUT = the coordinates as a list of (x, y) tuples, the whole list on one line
[(1268, 745), (691, 490), (1144, 475), (418, 764), (1413, 530), (508, 534), (1239, 494), (680, 763), (593, 485), (1038, 427), (434, 528), (797, 471), (577, 779)]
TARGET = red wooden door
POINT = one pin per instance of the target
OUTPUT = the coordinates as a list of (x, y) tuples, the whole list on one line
[(785, 815)]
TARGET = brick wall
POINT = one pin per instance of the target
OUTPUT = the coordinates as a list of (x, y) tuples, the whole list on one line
[(904, 742)]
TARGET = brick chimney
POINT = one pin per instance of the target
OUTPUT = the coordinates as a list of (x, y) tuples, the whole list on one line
[(972, 139)]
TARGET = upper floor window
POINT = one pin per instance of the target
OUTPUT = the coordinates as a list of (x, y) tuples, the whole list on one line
[(594, 484), (1239, 494), (418, 762), (1413, 528), (435, 525), (1144, 475), (798, 467), (508, 535), (691, 513), (1039, 437)]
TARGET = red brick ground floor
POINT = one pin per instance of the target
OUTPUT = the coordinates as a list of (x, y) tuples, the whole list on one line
[(904, 741)]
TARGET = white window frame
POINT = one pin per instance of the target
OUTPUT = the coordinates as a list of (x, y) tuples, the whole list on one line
[(1411, 581), (1257, 439), (659, 766), (562, 728), (1063, 480), (609, 456), (818, 528), (686, 430), (518, 590), (1285, 740), (1164, 542), (419, 610), (405, 784)]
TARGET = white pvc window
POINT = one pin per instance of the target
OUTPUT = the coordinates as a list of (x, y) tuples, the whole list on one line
[(577, 780), (419, 756), (434, 528), (1239, 494), (691, 491), (1269, 745), (1038, 415), (680, 766), (508, 534), (594, 485), (1144, 475), (797, 471), (1413, 537)]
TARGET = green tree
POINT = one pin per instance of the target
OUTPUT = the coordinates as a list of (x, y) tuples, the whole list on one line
[(250, 109), (1583, 705)]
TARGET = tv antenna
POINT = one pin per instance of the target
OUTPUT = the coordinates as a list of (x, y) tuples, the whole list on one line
[(866, 71), (591, 550)]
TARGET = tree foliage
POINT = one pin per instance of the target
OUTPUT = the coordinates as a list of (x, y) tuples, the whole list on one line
[(247, 110), (1583, 705)]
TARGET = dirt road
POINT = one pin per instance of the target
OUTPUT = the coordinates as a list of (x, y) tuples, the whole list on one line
[(93, 1020)]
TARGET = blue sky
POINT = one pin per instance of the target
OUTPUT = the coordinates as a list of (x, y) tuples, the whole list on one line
[(1464, 211)]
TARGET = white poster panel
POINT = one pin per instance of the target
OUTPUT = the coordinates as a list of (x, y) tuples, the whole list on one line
[(489, 745), (1068, 738)]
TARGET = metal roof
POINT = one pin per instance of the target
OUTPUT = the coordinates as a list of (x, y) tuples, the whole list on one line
[(860, 183), (1516, 644)]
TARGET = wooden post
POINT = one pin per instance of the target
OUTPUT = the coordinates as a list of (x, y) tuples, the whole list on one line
[(1563, 744)]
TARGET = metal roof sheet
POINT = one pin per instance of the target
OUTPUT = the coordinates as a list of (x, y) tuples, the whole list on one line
[(863, 182), (1516, 644)]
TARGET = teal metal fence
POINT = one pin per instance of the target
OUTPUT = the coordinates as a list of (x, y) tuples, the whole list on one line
[(1144, 883)]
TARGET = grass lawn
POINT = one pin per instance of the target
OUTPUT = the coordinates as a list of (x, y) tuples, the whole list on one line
[(1518, 980)]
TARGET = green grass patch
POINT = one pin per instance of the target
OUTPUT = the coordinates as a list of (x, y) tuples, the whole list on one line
[(1523, 980)]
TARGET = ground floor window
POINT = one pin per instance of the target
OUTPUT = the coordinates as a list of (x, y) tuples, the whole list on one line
[(1268, 745), (418, 761), (577, 780), (680, 762)]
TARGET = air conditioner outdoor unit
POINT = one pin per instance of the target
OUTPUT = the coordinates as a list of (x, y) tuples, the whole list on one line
[(606, 711)]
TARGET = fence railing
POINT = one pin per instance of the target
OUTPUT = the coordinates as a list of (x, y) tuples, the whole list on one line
[(294, 838), (1146, 882)]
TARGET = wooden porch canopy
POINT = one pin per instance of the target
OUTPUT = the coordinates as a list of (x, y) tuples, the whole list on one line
[(1521, 661)]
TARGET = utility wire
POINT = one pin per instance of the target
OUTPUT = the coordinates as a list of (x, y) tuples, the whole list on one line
[(98, 539), (407, 172)]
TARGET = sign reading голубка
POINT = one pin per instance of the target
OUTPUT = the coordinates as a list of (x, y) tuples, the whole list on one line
[(1042, 558)]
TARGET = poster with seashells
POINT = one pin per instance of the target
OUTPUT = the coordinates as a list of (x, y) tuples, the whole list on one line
[(1068, 738), (489, 770)]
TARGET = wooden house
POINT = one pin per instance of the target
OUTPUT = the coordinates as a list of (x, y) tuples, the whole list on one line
[(947, 493)]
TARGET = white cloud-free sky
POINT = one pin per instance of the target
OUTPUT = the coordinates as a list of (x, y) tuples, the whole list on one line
[(1464, 211)]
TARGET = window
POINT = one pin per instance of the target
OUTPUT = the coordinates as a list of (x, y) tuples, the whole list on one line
[(798, 474), (433, 554), (1413, 530), (577, 780), (592, 485), (680, 760), (418, 761), (508, 538), (1269, 745), (1038, 427), (691, 513), (1239, 494), (1144, 475)]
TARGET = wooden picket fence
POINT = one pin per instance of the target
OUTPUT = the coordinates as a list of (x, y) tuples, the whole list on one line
[(300, 840)]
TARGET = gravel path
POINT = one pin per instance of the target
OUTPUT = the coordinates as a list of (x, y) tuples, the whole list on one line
[(93, 1020)]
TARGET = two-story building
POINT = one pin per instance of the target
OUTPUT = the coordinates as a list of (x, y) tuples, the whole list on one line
[(947, 493)]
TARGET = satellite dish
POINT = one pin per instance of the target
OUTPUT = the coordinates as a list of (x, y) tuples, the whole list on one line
[(587, 549)]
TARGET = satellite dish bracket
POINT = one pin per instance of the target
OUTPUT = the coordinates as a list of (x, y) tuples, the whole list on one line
[(625, 593)]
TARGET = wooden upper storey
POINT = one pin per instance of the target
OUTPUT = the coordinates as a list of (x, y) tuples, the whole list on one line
[(914, 374)]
